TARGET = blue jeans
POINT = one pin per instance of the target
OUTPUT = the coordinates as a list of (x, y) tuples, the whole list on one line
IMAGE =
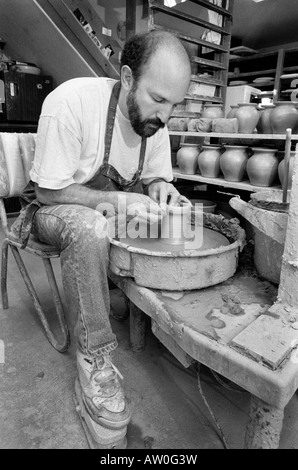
[(77, 231)]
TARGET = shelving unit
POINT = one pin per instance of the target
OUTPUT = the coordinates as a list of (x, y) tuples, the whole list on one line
[(250, 138), (281, 64), (209, 68)]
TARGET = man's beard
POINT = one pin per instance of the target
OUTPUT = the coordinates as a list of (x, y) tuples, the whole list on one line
[(145, 128)]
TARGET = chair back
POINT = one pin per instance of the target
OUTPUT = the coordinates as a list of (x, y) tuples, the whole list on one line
[(16, 157)]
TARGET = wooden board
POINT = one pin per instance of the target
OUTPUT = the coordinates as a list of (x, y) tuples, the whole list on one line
[(268, 339)]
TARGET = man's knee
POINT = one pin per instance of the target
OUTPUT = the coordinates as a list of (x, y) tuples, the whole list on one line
[(90, 225), (65, 224)]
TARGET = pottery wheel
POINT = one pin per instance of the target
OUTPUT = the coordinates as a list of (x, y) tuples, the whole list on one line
[(209, 259), (211, 239)]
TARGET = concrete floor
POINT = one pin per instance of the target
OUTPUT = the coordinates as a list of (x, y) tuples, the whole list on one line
[(36, 387)]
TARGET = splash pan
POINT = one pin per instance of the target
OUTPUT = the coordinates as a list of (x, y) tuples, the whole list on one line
[(158, 265)]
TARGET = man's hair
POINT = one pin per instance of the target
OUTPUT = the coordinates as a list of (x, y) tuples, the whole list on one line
[(139, 49)]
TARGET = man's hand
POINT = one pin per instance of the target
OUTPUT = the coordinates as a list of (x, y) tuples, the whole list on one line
[(140, 207), (165, 194)]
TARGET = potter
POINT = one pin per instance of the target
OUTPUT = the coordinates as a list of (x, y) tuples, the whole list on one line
[(98, 140)]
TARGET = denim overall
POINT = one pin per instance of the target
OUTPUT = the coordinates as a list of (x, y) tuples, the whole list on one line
[(75, 230)]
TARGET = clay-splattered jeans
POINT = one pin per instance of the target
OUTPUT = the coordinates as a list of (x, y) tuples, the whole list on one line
[(77, 231)]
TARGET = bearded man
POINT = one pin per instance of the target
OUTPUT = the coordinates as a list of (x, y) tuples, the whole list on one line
[(100, 141)]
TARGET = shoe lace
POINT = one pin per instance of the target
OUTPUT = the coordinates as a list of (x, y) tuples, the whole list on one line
[(98, 365)]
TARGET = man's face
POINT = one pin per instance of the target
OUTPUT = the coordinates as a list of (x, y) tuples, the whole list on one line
[(150, 101), (142, 127)]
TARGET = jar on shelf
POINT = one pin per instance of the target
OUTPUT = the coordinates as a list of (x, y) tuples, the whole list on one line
[(233, 162), (262, 166), (187, 158), (284, 116), (281, 170), (208, 161), (248, 117), (231, 113), (212, 111), (264, 125)]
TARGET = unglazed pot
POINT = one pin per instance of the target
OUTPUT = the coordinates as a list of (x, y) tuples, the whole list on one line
[(248, 117), (262, 166), (264, 125), (284, 116), (212, 111), (231, 113), (187, 158), (176, 225), (281, 170), (208, 161), (233, 162)]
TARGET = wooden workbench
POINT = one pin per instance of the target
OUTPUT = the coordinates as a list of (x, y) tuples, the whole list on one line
[(233, 328)]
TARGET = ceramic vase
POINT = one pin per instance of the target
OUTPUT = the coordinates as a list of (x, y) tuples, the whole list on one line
[(187, 158), (208, 161), (262, 166), (281, 170), (231, 113), (264, 125), (284, 116), (233, 162), (248, 117), (212, 111)]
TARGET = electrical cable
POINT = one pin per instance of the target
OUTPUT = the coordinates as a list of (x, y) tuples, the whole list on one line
[(210, 411)]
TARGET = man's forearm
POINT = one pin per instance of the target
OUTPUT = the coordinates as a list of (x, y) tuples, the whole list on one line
[(76, 194)]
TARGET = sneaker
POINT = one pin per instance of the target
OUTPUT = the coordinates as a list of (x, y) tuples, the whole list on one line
[(102, 392)]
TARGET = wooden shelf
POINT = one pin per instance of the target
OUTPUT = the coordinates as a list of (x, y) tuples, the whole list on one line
[(189, 18), (252, 74), (202, 98), (233, 136), (248, 58), (191, 39), (213, 7), (242, 185)]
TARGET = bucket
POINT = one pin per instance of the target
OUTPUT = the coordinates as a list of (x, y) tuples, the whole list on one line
[(269, 231), (267, 256)]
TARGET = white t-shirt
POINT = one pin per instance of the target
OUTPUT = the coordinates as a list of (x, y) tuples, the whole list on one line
[(71, 132)]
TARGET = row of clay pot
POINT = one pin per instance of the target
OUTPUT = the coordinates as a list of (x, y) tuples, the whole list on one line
[(234, 162), (269, 119)]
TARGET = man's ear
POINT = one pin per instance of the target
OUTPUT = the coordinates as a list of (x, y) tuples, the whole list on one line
[(126, 78)]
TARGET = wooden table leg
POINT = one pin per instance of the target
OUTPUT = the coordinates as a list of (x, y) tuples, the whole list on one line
[(137, 324), (264, 425)]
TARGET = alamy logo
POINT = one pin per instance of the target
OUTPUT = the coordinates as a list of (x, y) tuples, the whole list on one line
[(139, 220)]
